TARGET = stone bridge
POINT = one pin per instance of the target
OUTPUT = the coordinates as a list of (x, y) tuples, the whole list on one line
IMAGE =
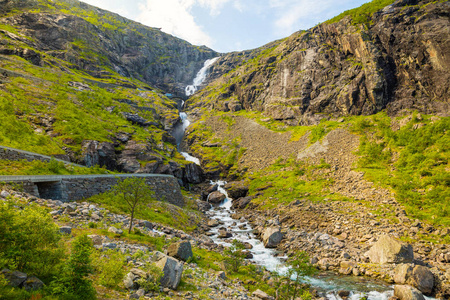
[(76, 187)]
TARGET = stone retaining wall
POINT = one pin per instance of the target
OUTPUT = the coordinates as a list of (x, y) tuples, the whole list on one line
[(7, 153), (77, 187)]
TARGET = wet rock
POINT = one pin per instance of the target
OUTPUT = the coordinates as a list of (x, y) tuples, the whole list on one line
[(216, 197), (181, 250), (271, 237), (390, 250), (343, 294), (224, 234), (172, 270), (213, 223), (4, 194), (209, 190), (406, 292), (236, 189), (346, 267)]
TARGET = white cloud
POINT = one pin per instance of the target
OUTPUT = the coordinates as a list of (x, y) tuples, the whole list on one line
[(174, 17), (294, 15)]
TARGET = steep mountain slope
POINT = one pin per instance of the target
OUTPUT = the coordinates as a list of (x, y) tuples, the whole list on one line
[(396, 58), (83, 84), (99, 42)]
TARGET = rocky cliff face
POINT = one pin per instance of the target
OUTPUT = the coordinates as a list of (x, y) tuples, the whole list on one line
[(101, 43), (398, 61)]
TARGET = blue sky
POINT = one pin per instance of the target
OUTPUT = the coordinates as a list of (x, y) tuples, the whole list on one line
[(228, 25)]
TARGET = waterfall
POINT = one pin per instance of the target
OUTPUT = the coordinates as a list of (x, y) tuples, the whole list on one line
[(178, 131), (201, 76)]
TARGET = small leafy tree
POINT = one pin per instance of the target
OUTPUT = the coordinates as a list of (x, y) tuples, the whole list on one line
[(235, 255), (134, 192), (29, 240), (74, 283), (289, 286)]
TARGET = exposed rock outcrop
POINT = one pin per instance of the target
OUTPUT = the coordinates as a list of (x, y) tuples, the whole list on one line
[(399, 62), (133, 50)]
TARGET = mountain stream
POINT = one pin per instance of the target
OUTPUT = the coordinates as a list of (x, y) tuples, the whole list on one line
[(327, 284)]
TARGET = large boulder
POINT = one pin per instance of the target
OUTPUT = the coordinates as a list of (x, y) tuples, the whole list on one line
[(271, 237), (216, 197), (209, 190), (422, 279), (32, 283), (14, 278), (406, 292), (419, 277), (180, 250), (172, 270), (236, 189), (390, 250)]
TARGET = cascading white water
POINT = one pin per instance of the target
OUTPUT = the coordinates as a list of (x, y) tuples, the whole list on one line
[(178, 132), (201, 76), (268, 258)]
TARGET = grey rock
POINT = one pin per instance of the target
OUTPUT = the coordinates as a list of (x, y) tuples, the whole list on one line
[(115, 230), (193, 173), (32, 283), (181, 250), (236, 189), (390, 250), (406, 292), (4, 194), (172, 270), (422, 279), (65, 229), (14, 278), (271, 237), (96, 239), (261, 295), (109, 245), (216, 197)]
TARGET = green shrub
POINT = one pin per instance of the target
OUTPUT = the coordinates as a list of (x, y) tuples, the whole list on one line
[(109, 267), (362, 14), (152, 282), (235, 255), (29, 241), (74, 283)]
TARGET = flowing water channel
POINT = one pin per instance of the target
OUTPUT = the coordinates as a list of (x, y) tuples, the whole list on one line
[(326, 283)]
